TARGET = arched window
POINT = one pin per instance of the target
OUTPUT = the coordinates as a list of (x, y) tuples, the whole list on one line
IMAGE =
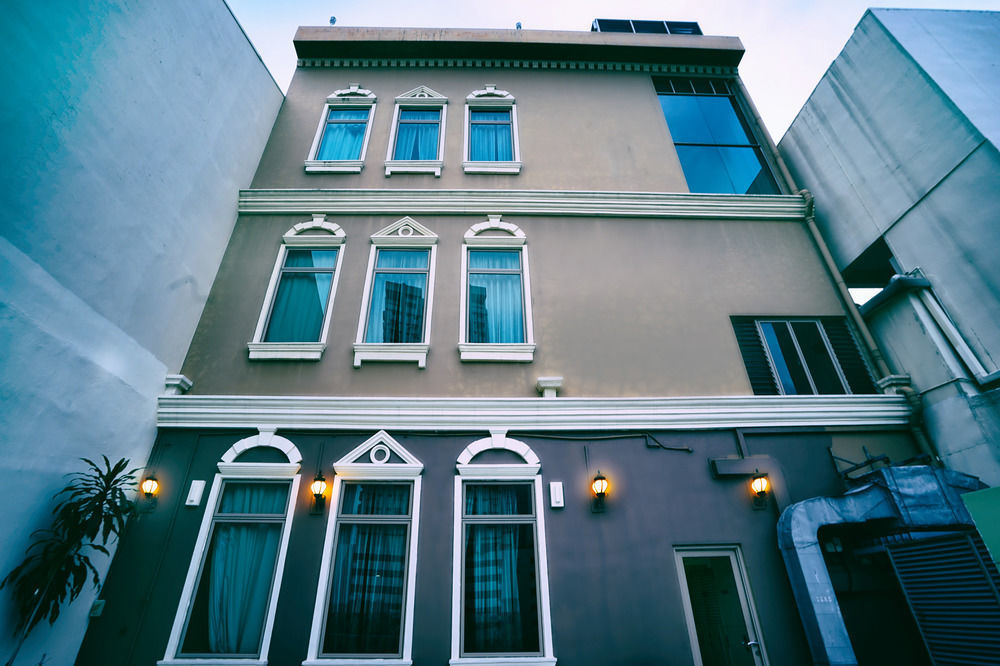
[(231, 590)]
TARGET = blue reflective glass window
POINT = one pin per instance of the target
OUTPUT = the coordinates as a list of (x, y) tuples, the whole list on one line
[(727, 170), (343, 135), (399, 285), (299, 307), (490, 136), (495, 297), (417, 134)]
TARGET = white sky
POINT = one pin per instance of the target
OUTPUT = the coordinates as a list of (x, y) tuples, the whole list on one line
[(789, 43)]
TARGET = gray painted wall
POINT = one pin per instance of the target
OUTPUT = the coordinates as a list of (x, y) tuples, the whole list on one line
[(621, 307), (128, 128), (898, 142)]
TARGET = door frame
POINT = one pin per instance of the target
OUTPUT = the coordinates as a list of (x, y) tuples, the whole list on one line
[(750, 620)]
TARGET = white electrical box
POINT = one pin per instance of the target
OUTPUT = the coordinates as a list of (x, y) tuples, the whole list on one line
[(556, 500), (195, 493)]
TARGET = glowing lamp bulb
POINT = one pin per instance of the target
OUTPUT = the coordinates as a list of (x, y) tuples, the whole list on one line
[(150, 486), (318, 486), (600, 484), (759, 485)]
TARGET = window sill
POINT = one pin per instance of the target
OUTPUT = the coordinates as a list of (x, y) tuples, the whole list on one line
[(414, 166), (505, 168), (334, 166), (507, 661), (280, 351), (510, 352), (356, 661), (213, 661), (377, 351)]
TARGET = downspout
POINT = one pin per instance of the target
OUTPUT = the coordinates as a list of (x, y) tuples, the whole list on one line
[(871, 347)]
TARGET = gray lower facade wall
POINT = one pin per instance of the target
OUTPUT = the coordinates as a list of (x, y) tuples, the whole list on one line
[(614, 588)]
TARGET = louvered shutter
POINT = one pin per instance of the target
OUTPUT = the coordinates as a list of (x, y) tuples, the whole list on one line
[(846, 350), (754, 357), (952, 584)]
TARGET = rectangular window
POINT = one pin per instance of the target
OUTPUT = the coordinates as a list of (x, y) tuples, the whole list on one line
[(500, 604), (234, 585), (417, 134), (298, 311), (495, 292), (801, 356), (715, 145), (343, 135), (490, 135), (396, 307), (365, 602)]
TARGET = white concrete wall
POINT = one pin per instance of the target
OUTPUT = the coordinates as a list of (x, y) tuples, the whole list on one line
[(128, 128)]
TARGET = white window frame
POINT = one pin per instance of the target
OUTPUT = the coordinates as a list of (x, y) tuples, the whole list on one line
[(353, 97), (315, 234), (421, 96), (508, 472), (231, 470), (510, 237), (491, 98), (402, 234), (788, 321), (735, 555), (378, 449)]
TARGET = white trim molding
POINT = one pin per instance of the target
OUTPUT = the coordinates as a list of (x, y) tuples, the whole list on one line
[(395, 413), (421, 96), (353, 97), (566, 203), (316, 233), (496, 234), (353, 467), (401, 234), (490, 98)]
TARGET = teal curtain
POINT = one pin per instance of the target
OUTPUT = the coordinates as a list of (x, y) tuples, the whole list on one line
[(417, 135), (365, 608), (342, 138), (495, 307), (501, 610), (302, 295), (490, 138), (396, 311), (230, 606)]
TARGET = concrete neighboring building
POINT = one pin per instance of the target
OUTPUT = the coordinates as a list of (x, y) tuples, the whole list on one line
[(511, 330), (899, 144), (128, 129)]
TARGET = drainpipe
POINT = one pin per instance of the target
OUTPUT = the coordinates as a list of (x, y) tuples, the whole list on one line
[(885, 375)]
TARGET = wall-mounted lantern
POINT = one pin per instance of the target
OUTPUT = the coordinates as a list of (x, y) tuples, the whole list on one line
[(318, 489), (599, 487), (759, 486), (150, 486)]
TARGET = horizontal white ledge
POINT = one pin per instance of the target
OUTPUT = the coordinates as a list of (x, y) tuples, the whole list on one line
[(523, 202), (685, 413), (276, 351)]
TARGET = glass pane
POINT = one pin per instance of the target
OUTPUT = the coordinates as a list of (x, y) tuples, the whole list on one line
[(817, 356), (341, 141), (481, 115), (416, 142), (747, 172), (490, 143), (311, 259), (396, 313), (717, 612), (402, 259), (262, 498), (348, 114), (382, 499), (415, 114), (299, 306), (696, 119), (495, 259), (501, 605), (496, 314), (365, 609), (787, 366), (492, 499), (230, 605), (725, 170)]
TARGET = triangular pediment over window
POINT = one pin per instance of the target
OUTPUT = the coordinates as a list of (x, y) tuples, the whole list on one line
[(422, 94), (380, 456), (405, 231)]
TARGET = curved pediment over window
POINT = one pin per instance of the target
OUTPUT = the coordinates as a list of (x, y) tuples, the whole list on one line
[(317, 232), (497, 440), (380, 456), (490, 93), (266, 437), (354, 94), (495, 232)]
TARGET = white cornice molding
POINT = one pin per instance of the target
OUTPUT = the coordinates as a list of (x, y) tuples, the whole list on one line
[(654, 68), (775, 207), (392, 413)]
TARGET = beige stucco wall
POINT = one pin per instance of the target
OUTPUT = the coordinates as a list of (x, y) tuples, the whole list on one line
[(622, 307), (578, 130)]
